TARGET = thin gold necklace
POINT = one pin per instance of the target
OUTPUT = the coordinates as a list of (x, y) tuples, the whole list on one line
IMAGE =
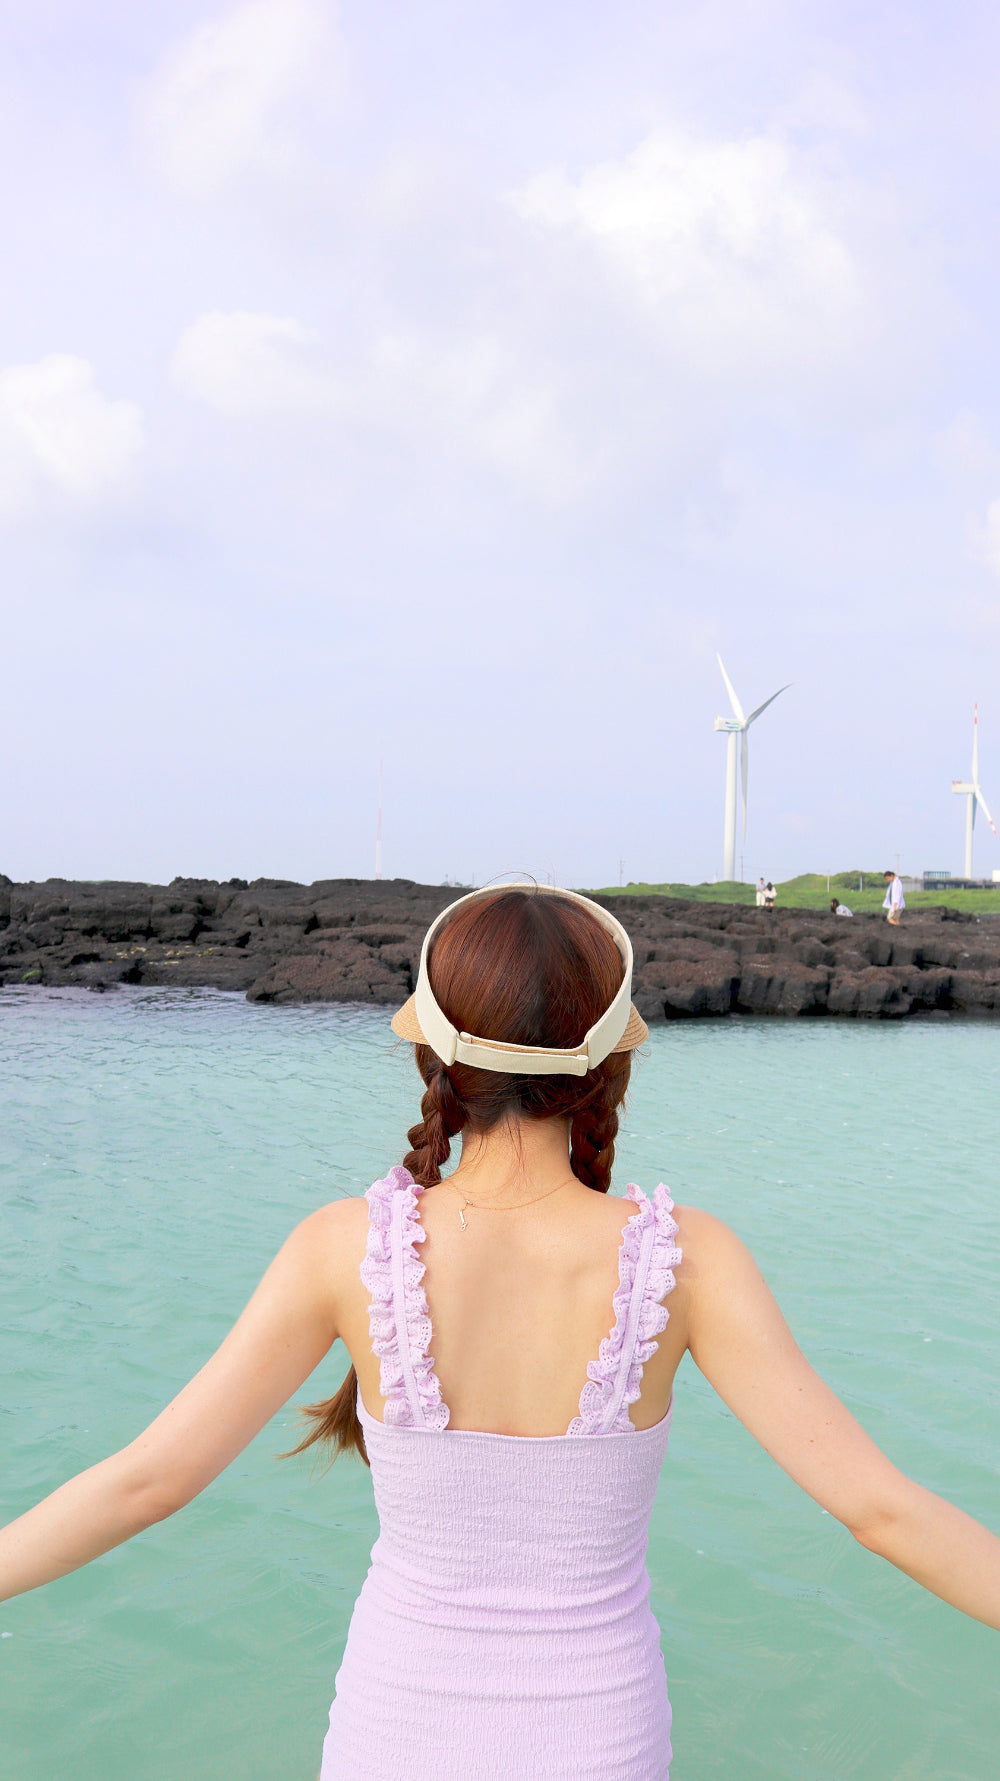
[(474, 1206)]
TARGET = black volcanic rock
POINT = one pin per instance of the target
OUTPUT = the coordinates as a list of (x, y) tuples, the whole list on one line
[(357, 940), (338, 940)]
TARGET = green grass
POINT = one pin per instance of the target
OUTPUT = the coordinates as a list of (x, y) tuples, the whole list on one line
[(809, 891)]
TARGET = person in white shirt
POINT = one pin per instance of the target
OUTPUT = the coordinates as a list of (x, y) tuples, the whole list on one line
[(839, 908), (760, 894), (770, 895), (894, 902)]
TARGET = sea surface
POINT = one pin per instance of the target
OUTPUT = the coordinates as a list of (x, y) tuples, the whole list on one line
[(157, 1146)]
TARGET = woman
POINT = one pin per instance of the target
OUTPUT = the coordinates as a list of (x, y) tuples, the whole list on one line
[(504, 1628)]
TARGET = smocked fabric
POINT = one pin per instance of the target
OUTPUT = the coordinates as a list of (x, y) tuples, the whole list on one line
[(504, 1627)]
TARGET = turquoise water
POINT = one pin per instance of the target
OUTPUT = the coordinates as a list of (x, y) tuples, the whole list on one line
[(155, 1148)]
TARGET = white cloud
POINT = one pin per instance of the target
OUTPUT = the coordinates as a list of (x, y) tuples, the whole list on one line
[(216, 107), (244, 364), (60, 436), (724, 245)]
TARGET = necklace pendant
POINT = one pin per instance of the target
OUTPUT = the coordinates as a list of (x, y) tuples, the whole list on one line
[(461, 1214)]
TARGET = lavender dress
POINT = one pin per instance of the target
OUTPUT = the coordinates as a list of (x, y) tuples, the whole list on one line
[(504, 1632)]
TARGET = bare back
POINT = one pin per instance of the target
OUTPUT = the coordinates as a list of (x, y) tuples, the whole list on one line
[(519, 1301)]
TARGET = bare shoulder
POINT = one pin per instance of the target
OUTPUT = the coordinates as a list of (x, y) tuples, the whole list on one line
[(338, 1218), (333, 1237), (702, 1236), (715, 1260)]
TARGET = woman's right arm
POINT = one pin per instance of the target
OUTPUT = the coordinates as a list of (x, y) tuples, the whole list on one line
[(285, 1331), (741, 1342)]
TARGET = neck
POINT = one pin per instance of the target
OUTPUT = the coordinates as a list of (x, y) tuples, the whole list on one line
[(518, 1160)]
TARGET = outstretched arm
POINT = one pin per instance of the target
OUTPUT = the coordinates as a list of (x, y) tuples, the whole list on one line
[(740, 1341), (282, 1335)]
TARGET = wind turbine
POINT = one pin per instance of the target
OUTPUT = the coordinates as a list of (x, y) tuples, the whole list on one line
[(973, 794), (734, 726)]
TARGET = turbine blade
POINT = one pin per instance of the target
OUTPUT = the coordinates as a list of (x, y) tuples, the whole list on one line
[(733, 700), (767, 702), (975, 744), (745, 773), (981, 800)]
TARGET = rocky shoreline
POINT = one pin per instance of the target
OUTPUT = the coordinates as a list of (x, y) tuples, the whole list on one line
[(358, 940)]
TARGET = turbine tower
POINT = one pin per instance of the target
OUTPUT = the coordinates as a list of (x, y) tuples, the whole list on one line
[(972, 793), (734, 726)]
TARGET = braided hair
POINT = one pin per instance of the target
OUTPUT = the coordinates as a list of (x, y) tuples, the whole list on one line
[(442, 1116)]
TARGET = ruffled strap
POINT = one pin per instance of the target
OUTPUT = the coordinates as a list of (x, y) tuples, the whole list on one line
[(397, 1316), (646, 1262)]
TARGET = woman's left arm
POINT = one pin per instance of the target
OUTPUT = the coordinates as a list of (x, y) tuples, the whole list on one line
[(285, 1331), (740, 1341)]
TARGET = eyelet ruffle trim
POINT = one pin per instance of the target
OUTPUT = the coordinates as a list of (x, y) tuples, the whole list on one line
[(604, 1374), (376, 1273)]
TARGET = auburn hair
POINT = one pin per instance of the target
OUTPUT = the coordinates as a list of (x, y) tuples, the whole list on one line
[(529, 969)]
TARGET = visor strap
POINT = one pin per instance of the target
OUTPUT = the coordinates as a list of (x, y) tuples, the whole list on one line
[(527, 1060)]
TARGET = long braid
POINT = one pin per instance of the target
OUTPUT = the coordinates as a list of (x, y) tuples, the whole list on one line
[(443, 1116), (594, 1129)]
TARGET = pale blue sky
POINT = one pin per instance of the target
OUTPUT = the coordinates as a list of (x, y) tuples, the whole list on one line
[(452, 381)]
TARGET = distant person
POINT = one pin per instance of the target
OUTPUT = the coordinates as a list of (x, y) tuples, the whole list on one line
[(761, 895), (839, 908), (770, 895), (894, 901)]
